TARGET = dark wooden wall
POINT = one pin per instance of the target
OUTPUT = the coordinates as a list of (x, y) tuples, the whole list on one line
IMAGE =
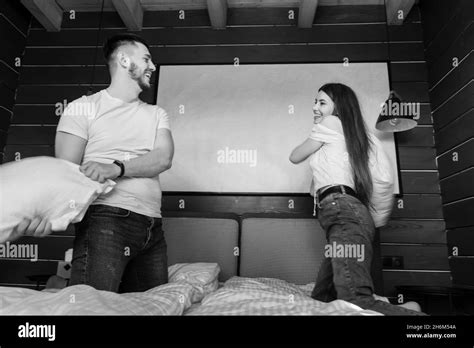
[(58, 66), (449, 43), (14, 24)]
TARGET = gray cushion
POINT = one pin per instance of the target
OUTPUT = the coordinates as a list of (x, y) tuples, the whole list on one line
[(285, 248), (195, 239)]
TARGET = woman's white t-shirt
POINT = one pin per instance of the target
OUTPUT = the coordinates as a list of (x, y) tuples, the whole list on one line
[(330, 165)]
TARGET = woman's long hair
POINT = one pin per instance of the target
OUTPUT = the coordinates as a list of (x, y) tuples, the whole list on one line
[(358, 143)]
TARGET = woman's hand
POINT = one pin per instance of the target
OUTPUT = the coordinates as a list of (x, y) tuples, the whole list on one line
[(100, 171)]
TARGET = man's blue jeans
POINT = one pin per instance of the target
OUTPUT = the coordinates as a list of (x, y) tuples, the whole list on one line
[(346, 275), (119, 250)]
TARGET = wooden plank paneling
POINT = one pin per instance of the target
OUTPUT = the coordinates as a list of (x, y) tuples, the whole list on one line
[(406, 51), (31, 135), (7, 97), (435, 14), (416, 157), (418, 207), (450, 31), (86, 20), (64, 75), (350, 14), (453, 82), (461, 270), (27, 94), (460, 241), (425, 114), (459, 214), (418, 136), (8, 75), (456, 132), (412, 91), (460, 48), (3, 138), (49, 247), (420, 182), (14, 46), (429, 257), (413, 231), (405, 32), (208, 36), (321, 53), (17, 14), (454, 107), (408, 72), (457, 159), (393, 278), (236, 16), (36, 114), (5, 116), (63, 56), (413, 207), (18, 270)]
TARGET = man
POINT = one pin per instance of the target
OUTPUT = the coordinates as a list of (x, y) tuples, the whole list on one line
[(119, 244)]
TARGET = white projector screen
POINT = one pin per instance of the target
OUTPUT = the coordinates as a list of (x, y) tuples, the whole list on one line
[(235, 126)]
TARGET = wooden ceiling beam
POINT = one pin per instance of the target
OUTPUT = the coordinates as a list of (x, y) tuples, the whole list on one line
[(306, 13), (217, 13), (131, 12), (398, 10), (47, 12), (176, 5)]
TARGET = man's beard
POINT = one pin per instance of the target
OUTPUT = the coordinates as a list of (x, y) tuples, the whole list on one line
[(141, 80)]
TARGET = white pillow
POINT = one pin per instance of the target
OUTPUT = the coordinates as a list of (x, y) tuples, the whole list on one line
[(383, 184), (201, 275), (45, 187)]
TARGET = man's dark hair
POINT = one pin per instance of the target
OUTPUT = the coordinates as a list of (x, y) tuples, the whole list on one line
[(118, 40)]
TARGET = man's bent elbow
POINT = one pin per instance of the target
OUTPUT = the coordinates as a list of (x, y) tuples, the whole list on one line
[(163, 166)]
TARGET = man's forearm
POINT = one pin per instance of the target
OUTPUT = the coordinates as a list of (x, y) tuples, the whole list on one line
[(148, 165)]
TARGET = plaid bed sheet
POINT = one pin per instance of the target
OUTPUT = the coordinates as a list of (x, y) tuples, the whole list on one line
[(167, 299), (268, 296)]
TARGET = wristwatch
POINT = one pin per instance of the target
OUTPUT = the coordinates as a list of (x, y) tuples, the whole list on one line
[(122, 168)]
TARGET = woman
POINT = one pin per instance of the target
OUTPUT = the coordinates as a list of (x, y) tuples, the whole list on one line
[(353, 194)]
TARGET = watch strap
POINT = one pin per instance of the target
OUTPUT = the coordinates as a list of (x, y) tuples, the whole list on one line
[(122, 168)]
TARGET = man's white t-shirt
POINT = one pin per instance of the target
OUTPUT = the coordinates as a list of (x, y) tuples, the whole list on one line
[(116, 130)]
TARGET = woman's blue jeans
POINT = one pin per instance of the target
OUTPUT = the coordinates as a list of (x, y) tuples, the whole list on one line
[(119, 250), (345, 270)]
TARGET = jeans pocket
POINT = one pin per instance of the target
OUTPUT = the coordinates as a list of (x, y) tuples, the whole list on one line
[(330, 206), (108, 211)]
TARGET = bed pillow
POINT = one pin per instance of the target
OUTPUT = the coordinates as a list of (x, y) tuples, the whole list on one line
[(201, 275), (45, 187)]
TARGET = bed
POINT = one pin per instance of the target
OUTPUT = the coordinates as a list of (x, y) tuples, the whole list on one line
[(221, 264)]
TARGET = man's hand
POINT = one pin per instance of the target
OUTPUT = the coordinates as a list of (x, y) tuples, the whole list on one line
[(36, 228), (100, 171)]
